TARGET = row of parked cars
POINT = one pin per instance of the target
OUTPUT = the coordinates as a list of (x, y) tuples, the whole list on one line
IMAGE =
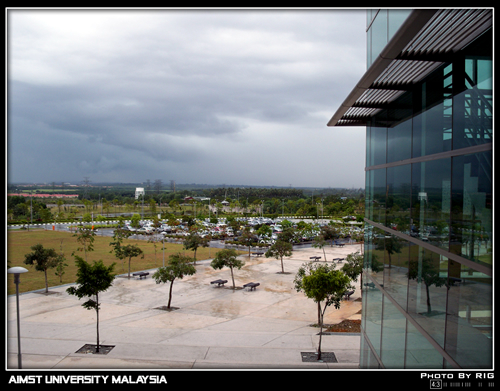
[(222, 231)]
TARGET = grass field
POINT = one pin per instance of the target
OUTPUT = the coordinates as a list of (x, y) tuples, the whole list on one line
[(19, 243)]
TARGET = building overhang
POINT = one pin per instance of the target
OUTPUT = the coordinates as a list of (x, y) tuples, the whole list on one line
[(427, 39)]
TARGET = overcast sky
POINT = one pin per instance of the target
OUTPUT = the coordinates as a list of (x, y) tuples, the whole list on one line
[(196, 96)]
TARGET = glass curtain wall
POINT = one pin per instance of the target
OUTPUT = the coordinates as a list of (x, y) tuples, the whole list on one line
[(427, 285)]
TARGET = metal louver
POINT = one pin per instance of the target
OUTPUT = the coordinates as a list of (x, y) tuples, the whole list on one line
[(426, 40)]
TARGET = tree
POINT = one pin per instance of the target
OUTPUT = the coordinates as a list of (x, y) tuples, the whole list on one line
[(392, 245), (353, 266), (426, 271), (247, 238), (174, 204), (118, 237), (265, 232), (178, 267), (91, 280), (320, 242), (289, 234), (85, 237), (322, 283), (61, 264), (193, 241), (60, 267), (43, 259), (130, 251), (279, 250), (329, 232), (228, 258), (135, 220)]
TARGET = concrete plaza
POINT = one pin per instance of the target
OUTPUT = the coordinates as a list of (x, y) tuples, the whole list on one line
[(213, 327)]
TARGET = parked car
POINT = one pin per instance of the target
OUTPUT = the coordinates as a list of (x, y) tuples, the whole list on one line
[(145, 230)]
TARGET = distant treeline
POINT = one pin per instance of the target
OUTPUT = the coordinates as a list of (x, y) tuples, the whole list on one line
[(254, 192), (122, 191)]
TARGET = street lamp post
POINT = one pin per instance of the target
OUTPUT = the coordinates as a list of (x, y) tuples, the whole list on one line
[(17, 271)]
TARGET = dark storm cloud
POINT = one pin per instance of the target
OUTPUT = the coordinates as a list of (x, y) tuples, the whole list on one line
[(188, 95)]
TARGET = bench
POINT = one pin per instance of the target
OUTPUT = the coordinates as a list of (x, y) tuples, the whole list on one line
[(370, 284), (251, 285), (339, 260), (315, 258), (219, 282), (455, 279), (347, 295), (258, 253), (140, 274), (340, 244)]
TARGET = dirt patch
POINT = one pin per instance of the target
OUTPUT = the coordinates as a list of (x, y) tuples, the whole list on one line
[(346, 326)]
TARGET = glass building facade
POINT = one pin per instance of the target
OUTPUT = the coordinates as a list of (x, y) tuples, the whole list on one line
[(427, 279)]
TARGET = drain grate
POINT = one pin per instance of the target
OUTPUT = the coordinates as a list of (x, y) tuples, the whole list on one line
[(313, 357), (91, 349)]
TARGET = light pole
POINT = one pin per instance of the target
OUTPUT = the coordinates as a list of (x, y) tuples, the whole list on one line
[(17, 271)]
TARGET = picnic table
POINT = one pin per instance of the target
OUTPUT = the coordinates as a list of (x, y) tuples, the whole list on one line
[(140, 274), (251, 285), (219, 282), (315, 258)]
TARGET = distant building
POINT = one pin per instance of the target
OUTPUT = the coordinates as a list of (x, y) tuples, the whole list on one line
[(139, 191)]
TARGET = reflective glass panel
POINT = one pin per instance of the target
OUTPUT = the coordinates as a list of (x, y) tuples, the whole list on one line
[(469, 322), (378, 33), (473, 111), (377, 145), (375, 256), (420, 354), (396, 19), (471, 223), (393, 337), (431, 201), (427, 291), (432, 127), (375, 195), (372, 316), (396, 275), (399, 142), (398, 197)]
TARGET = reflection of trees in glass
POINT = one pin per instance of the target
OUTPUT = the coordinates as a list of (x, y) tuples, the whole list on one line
[(390, 244), (426, 271)]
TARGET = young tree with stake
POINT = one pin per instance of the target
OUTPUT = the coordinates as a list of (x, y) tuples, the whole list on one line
[(322, 283), (91, 280)]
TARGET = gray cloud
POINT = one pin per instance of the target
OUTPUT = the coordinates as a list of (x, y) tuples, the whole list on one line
[(197, 96)]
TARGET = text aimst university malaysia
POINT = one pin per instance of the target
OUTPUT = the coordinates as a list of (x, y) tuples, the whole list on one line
[(426, 102)]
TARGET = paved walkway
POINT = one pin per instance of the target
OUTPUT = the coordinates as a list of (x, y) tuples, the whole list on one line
[(214, 327)]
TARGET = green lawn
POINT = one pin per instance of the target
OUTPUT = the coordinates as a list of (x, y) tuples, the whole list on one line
[(20, 241)]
